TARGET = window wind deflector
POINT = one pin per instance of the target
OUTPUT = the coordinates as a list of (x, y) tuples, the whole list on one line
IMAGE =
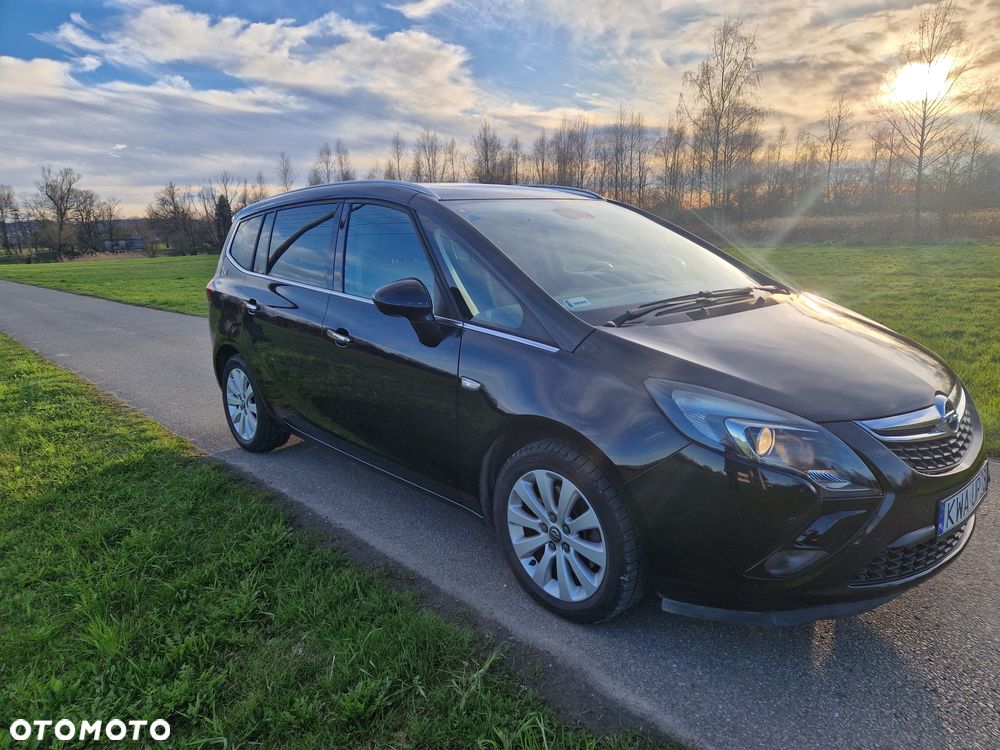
[(280, 250), (693, 300)]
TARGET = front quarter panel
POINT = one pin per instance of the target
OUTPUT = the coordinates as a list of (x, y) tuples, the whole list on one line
[(521, 382)]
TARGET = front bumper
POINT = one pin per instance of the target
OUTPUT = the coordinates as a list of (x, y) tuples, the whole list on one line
[(712, 525)]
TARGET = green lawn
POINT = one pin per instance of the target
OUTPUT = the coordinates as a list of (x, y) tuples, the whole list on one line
[(176, 283), (142, 582), (945, 297)]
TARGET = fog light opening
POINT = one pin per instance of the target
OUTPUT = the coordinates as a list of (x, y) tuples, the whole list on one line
[(788, 562)]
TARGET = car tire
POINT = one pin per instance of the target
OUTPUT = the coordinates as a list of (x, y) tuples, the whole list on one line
[(250, 422), (591, 568)]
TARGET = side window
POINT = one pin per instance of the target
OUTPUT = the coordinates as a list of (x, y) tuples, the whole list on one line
[(245, 240), (301, 246), (383, 246), (486, 299)]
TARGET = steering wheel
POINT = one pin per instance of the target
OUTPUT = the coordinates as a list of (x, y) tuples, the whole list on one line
[(599, 265)]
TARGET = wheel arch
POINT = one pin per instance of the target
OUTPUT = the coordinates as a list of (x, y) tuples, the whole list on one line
[(222, 355), (521, 431)]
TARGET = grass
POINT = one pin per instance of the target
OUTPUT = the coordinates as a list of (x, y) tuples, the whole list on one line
[(944, 297), (176, 283), (141, 581)]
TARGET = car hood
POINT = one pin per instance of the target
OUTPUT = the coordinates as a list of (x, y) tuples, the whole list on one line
[(803, 354)]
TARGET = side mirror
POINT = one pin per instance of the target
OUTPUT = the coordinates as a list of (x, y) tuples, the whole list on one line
[(409, 298)]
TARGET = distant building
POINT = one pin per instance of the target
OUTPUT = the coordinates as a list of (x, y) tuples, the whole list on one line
[(132, 242)]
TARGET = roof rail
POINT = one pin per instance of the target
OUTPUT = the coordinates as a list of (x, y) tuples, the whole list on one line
[(567, 189), (398, 183)]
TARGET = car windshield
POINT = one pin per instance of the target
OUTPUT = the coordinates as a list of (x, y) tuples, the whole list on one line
[(595, 258)]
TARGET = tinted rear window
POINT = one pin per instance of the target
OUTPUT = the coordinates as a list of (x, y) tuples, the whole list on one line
[(302, 244), (244, 241)]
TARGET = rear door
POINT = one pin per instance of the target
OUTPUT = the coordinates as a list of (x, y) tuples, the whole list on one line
[(391, 394), (291, 285)]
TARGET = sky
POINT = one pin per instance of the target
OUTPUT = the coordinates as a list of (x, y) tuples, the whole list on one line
[(133, 93)]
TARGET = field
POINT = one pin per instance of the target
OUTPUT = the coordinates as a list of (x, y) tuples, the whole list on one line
[(176, 283), (142, 582), (945, 297)]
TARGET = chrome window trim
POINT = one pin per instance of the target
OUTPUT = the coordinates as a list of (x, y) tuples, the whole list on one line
[(511, 337), (366, 300), (301, 284), (928, 417)]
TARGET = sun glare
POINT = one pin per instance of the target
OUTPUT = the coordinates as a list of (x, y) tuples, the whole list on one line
[(917, 81)]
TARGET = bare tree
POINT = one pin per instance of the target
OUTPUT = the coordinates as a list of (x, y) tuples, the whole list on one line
[(322, 170), (108, 219), (54, 201), (397, 153), (877, 154), (172, 215), (670, 151), (622, 157), (285, 172), (986, 109), (428, 157), (938, 54), (257, 190), (948, 174), (343, 158), (8, 207), (839, 124), (540, 158), (777, 188), (515, 157), (451, 160), (725, 89), (487, 155), (807, 181), (227, 184), (86, 216)]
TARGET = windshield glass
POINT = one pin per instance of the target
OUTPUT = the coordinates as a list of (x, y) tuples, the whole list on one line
[(595, 258)]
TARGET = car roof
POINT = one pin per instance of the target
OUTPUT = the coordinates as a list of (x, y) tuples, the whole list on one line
[(404, 192)]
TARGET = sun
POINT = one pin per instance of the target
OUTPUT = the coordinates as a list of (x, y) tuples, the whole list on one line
[(918, 81)]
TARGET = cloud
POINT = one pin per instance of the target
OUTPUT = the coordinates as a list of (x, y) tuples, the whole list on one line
[(421, 8), (330, 55)]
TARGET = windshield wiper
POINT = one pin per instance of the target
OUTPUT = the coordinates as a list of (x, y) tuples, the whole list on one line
[(695, 299)]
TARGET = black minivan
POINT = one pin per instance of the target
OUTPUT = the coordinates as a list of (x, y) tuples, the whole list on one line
[(626, 404)]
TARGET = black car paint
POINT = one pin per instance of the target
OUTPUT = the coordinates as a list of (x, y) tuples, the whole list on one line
[(707, 520)]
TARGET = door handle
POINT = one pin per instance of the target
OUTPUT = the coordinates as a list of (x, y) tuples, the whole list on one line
[(251, 306), (340, 339)]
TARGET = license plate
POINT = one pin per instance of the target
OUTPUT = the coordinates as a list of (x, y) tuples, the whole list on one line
[(953, 511)]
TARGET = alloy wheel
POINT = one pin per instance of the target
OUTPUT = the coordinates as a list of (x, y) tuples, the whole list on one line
[(241, 404), (556, 535)]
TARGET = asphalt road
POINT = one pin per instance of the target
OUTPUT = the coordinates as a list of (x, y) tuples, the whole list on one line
[(920, 672)]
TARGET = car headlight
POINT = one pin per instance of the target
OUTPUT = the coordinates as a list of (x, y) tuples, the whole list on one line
[(766, 435)]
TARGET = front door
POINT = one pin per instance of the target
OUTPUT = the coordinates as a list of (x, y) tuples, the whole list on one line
[(392, 395)]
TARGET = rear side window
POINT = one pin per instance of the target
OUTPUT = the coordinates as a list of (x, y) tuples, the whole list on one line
[(244, 241), (301, 246), (483, 297), (383, 246)]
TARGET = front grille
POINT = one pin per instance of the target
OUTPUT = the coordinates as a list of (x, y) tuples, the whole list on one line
[(938, 455), (900, 562)]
